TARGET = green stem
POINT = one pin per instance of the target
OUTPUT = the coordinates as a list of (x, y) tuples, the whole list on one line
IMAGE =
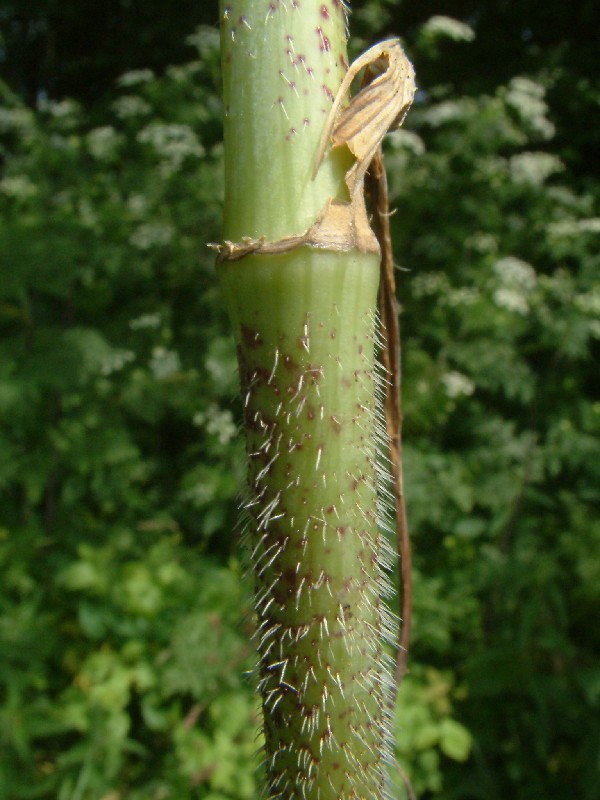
[(283, 61), (305, 326)]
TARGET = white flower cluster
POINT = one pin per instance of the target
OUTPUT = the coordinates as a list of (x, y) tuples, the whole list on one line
[(534, 168), (526, 97), (137, 204), (463, 296), (436, 284), (116, 360), (164, 363), (517, 280), (482, 242), (146, 321), (406, 140), (174, 143), (135, 77), (574, 227), (217, 421), (218, 368), (200, 493), (591, 225), (595, 329), (204, 39), (429, 283), (130, 105), (19, 187), (446, 111), (438, 26), (515, 272), (182, 73), (18, 119), (152, 234), (457, 385), (59, 109), (589, 302), (103, 142)]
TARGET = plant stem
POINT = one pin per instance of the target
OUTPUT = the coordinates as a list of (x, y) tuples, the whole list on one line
[(282, 64), (305, 327)]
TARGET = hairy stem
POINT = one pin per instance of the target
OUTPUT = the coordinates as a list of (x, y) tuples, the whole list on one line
[(305, 327)]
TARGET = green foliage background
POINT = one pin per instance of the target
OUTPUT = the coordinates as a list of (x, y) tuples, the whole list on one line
[(123, 638)]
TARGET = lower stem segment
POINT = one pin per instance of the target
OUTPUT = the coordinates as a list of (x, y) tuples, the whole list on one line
[(305, 325)]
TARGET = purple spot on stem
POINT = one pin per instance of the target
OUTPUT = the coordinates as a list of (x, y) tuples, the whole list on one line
[(324, 44)]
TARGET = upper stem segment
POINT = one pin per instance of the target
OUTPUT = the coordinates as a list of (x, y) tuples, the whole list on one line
[(283, 61)]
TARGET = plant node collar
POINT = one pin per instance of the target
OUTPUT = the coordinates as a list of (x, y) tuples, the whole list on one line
[(386, 94)]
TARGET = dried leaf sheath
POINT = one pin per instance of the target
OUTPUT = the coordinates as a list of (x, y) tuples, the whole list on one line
[(382, 103), (391, 360), (379, 106)]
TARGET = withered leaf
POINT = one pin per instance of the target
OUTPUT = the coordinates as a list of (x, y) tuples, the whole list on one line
[(380, 105)]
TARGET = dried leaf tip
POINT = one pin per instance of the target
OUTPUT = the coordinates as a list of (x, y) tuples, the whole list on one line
[(381, 105)]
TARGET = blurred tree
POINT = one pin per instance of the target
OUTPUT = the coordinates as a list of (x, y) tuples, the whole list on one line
[(120, 599)]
